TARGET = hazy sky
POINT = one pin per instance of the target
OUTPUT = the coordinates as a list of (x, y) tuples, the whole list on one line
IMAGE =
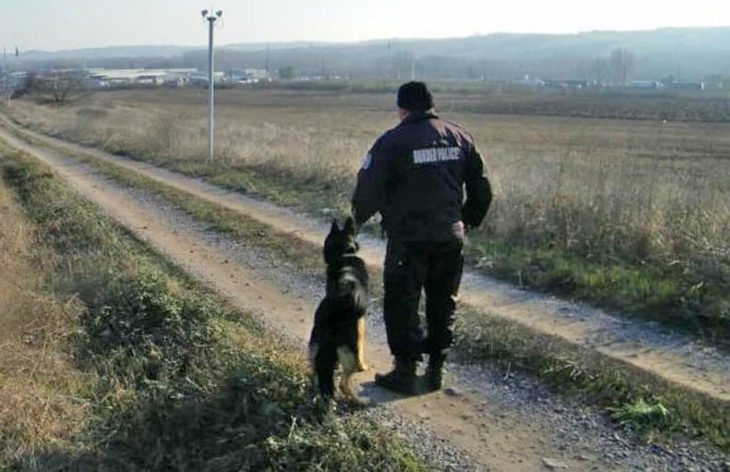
[(67, 24)]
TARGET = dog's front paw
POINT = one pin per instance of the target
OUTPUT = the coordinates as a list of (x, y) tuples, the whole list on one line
[(347, 390), (357, 400)]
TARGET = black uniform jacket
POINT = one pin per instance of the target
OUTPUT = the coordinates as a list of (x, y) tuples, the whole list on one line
[(415, 175)]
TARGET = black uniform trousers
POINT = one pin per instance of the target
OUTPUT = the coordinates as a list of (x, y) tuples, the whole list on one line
[(410, 267)]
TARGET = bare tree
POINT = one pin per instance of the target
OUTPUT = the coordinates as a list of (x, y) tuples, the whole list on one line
[(622, 65), (403, 65), (60, 87), (597, 69)]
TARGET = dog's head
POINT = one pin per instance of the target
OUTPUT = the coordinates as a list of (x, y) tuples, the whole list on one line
[(340, 241)]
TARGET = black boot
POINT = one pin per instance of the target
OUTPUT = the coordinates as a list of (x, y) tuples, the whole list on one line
[(401, 379), (434, 372)]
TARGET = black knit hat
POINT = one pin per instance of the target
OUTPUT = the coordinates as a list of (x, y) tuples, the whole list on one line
[(415, 96)]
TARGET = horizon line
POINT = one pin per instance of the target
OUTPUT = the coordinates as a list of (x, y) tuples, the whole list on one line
[(363, 41)]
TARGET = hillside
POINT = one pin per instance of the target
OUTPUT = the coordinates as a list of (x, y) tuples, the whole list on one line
[(684, 53)]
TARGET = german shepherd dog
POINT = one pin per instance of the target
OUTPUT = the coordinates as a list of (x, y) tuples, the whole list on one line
[(339, 322)]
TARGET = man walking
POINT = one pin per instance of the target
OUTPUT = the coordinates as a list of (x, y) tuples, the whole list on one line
[(415, 176)]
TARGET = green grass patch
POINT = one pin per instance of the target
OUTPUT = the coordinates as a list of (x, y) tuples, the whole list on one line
[(281, 186), (642, 415), (671, 295), (599, 381)]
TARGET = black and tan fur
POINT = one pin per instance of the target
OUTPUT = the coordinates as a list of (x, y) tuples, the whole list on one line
[(339, 323)]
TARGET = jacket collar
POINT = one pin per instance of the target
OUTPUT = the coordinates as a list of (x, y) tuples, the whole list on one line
[(416, 116)]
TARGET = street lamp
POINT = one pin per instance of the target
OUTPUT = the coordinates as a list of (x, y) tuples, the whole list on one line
[(211, 18)]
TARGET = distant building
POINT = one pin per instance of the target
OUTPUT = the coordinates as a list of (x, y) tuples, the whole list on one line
[(103, 78), (528, 81), (570, 83), (698, 86), (246, 76), (644, 84), (17, 79)]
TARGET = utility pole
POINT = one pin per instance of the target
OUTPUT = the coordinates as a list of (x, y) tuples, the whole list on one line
[(211, 19), (6, 87)]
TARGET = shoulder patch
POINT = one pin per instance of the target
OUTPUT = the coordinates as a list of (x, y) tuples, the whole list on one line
[(367, 161)]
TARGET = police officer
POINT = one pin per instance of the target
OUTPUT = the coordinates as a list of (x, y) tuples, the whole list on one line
[(415, 176)]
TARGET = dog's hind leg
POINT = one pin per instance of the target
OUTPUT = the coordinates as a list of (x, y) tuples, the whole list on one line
[(312, 355), (361, 365), (349, 364), (314, 373), (324, 367)]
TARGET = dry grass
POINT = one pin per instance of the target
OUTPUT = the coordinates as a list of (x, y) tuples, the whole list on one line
[(39, 387), (646, 188), (650, 195)]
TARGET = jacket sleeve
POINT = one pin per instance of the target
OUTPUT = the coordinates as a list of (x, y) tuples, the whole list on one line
[(478, 190), (369, 196)]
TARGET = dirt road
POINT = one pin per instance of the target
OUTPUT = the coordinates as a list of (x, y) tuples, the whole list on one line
[(471, 416)]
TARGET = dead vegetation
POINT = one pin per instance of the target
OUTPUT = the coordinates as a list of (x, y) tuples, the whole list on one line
[(627, 214)]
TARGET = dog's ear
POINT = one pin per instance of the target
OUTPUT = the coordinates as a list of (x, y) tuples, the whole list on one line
[(334, 226), (349, 225)]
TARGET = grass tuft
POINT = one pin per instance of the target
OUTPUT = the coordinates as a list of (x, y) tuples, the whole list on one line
[(642, 415)]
